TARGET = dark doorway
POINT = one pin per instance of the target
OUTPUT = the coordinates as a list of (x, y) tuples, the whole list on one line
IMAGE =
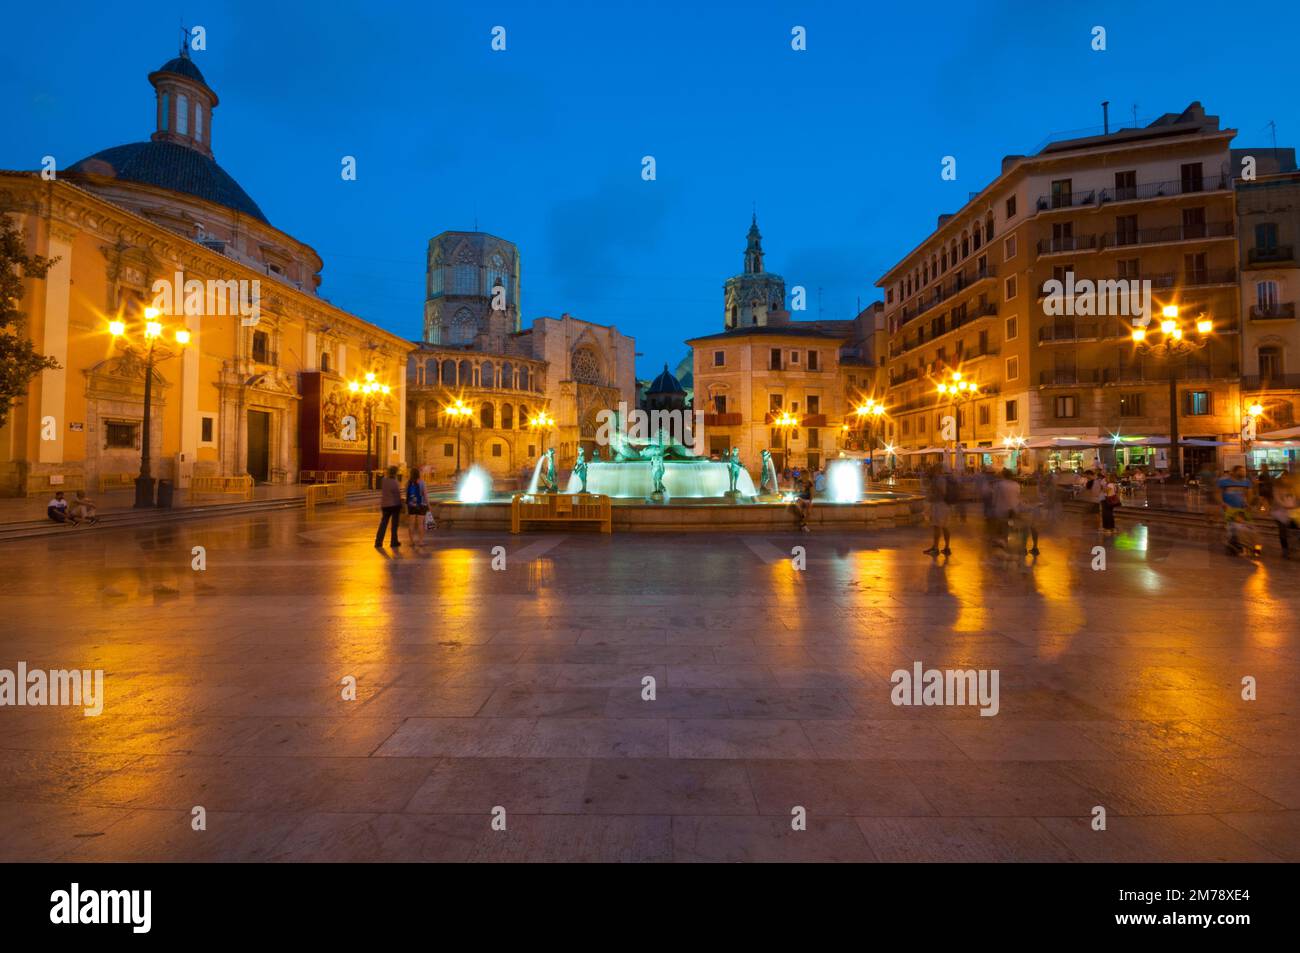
[(259, 445)]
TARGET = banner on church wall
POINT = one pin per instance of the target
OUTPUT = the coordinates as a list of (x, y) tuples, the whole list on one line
[(343, 418)]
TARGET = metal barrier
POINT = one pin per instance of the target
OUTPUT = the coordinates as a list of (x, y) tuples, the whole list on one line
[(325, 493), (222, 486), (116, 481), (561, 508)]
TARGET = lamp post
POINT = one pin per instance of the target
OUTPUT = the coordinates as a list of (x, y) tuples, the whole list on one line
[(1250, 427), (784, 424), (460, 415), (154, 353), (869, 414), (1173, 342), (370, 391), (958, 390)]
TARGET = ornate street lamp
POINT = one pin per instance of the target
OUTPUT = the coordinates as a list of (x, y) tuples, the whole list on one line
[(958, 390), (1174, 341), (784, 424), (869, 414), (460, 415), (542, 422), (371, 391), (155, 351), (1250, 427)]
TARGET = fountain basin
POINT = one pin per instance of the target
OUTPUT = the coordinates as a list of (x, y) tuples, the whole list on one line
[(683, 479), (878, 511)]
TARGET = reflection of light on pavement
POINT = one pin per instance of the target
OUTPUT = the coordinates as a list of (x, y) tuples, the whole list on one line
[(1133, 540), (968, 581), (1062, 612), (1268, 621)]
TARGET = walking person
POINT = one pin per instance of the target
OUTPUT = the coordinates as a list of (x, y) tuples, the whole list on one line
[(939, 488), (417, 504), (1110, 502), (1285, 510), (1234, 491), (390, 505)]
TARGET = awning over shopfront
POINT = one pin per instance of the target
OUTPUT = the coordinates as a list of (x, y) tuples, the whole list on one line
[(1286, 434)]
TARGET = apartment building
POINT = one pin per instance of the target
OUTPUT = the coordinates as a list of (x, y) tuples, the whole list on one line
[(1000, 293), (1268, 214)]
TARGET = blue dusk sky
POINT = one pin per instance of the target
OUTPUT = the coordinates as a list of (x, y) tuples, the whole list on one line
[(839, 147)]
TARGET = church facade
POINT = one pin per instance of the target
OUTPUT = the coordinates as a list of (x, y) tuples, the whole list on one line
[(526, 390), (229, 400), (769, 382)]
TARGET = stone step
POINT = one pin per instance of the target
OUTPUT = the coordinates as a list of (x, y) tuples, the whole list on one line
[(131, 519)]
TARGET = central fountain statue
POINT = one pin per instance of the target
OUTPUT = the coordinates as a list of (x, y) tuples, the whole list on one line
[(658, 470), (580, 468), (767, 476), (552, 484)]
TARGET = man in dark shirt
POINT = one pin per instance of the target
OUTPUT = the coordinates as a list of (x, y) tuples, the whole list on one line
[(390, 505)]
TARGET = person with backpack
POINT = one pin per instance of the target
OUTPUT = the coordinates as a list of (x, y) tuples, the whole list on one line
[(417, 504)]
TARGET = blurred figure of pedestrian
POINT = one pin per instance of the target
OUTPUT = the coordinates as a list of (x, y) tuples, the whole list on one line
[(390, 506), (1286, 510), (1235, 493), (940, 488)]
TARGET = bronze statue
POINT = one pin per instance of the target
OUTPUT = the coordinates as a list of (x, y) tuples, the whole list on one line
[(580, 468)]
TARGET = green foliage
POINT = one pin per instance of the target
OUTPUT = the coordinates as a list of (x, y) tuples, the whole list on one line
[(19, 359)]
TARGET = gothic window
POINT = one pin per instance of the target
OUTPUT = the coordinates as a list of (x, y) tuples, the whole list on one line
[(586, 366), (464, 280), (463, 327)]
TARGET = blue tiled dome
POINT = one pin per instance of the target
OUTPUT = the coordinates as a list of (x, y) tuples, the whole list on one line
[(168, 165), (666, 383)]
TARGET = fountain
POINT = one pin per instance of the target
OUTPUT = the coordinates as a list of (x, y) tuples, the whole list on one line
[(682, 479), (474, 486), (844, 480)]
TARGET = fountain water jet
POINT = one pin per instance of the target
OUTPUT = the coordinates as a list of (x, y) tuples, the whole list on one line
[(475, 485), (844, 480)]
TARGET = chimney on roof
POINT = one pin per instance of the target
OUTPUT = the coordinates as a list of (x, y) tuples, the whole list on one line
[(1105, 117)]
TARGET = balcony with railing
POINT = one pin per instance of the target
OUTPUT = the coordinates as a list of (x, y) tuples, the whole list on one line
[(1201, 231), (1135, 193), (961, 282), (1274, 312), (1104, 286), (1271, 382), (723, 420), (1071, 199), (1062, 377), (1067, 243), (1272, 255), (1071, 331)]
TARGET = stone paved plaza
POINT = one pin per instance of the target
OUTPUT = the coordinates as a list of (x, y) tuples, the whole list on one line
[(522, 689)]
